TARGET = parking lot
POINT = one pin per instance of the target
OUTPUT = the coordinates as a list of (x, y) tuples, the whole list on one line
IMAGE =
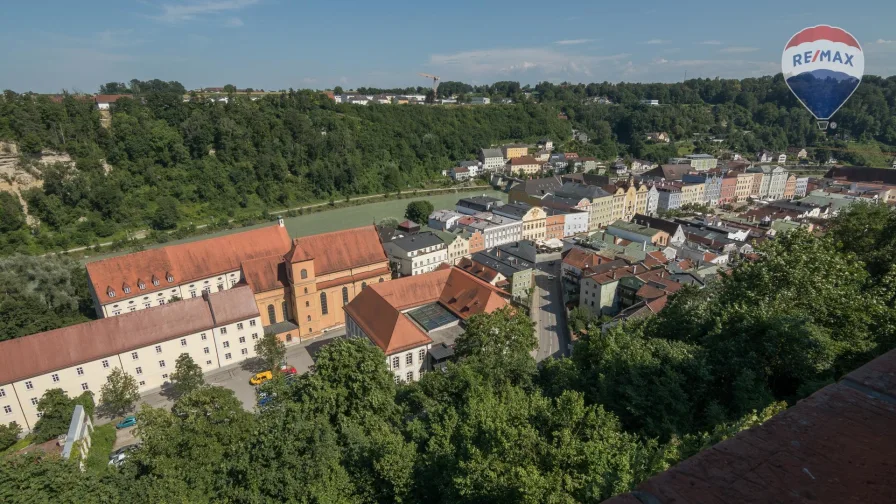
[(236, 377)]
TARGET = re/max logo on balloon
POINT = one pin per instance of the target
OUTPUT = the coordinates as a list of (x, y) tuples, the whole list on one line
[(821, 56)]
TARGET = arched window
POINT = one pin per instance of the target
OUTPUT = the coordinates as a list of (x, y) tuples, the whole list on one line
[(272, 315), (381, 279), (307, 304), (306, 290), (304, 274), (309, 318), (285, 312), (363, 285), (345, 295), (323, 303)]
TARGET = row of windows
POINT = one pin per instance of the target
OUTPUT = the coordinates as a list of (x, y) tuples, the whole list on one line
[(409, 377), (141, 286), (408, 358)]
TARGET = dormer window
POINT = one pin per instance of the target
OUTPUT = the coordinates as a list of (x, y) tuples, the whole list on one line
[(169, 277), (155, 281), (110, 293), (127, 289), (141, 285)]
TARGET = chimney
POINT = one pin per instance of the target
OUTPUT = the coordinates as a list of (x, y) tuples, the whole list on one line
[(280, 220), (614, 274), (205, 295), (634, 269), (644, 246)]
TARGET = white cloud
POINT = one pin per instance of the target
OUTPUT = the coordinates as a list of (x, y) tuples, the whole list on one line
[(343, 80), (660, 61), (187, 11), (537, 63), (574, 41), (882, 41), (656, 42), (309, 80), (711, 42), (233, 22), (738, 50)]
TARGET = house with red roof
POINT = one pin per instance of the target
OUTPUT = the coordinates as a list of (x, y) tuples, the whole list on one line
[(415, 320)]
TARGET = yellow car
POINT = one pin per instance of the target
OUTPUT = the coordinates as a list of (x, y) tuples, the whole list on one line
[(261, 377)]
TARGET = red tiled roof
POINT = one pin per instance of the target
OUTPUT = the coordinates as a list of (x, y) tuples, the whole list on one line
[(466, 295), (477, 269), (185, 262), (61, 348), (581, 258), (378, 309), (685, 265), (387, 327), (659, 256), (523, 160), (109, 98), (339, 250), (265, 274), (364, 275), (834, 446)]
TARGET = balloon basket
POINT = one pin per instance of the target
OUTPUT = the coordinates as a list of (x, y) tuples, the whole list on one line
[(822, 125)]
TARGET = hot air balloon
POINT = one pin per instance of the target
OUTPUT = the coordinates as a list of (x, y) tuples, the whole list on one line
[(823, 66)]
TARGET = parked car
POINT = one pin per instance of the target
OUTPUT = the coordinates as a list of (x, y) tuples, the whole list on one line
[(261, 377), (119, 455), (128, 421), (265, 398), (287, 369)]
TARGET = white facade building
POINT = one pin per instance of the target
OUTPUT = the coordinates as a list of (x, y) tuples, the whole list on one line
[(575, 223), (417, 253), (492, 160), (215, 330), (153, 277)]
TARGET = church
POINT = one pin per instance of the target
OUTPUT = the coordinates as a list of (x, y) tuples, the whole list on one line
[(300, 285)]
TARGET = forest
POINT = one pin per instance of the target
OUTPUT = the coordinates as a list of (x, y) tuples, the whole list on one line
[(169, 160), (496, 428)]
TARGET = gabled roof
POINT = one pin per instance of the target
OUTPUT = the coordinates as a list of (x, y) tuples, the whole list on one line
[(523, 160), (185, 262), (581, 258), (540, 187), (417, 241), (492, 153), (379, 309), (339, 250), (265, 274), (655, 222), (48, 351), (862, 174), (110, 98), (668, 171)]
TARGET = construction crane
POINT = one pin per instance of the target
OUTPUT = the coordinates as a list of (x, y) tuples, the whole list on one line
[(435, 80)]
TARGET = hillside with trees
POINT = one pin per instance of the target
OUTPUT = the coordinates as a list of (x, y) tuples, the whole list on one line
[(165, 162), (495, 427)]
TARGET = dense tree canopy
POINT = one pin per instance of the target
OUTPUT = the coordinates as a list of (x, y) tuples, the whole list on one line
[(41, 293)]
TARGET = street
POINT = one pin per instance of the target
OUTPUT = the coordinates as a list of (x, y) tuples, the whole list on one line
[(549, 315)]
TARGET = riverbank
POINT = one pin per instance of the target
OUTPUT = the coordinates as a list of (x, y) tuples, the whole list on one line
[(304, 221)]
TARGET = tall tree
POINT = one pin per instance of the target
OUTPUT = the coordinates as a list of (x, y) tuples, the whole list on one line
[(419, 211), (187, 375), (120, 392), (271, 351)]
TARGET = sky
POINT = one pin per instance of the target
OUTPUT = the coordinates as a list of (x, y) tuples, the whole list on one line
[(51, 45)]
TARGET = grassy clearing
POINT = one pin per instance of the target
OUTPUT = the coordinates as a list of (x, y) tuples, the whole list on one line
[(25, 441), (100, 447)]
